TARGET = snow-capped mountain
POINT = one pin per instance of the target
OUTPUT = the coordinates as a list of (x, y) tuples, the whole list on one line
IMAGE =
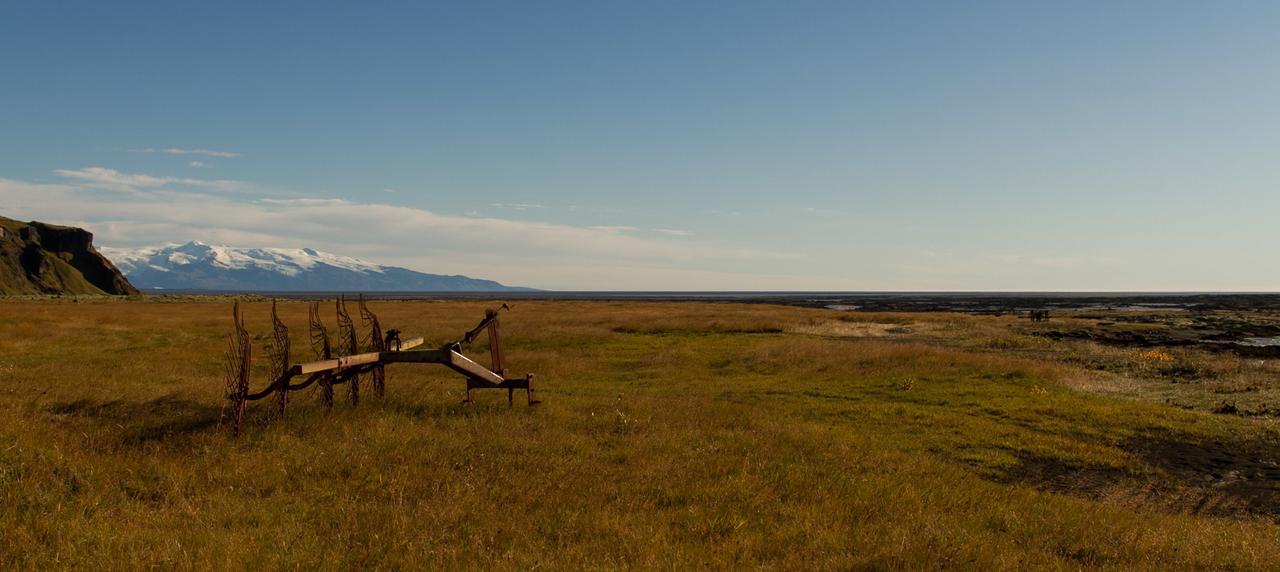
[(200, 266)]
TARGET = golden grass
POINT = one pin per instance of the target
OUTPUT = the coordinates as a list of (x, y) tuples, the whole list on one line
[(671, 436)]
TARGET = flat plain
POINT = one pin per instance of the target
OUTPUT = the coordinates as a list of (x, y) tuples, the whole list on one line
[(671, 435)]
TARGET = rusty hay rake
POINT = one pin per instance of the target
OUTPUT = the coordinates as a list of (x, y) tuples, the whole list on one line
[(348, 359)]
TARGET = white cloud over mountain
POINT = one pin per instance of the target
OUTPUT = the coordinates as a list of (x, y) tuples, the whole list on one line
[(131, 210)]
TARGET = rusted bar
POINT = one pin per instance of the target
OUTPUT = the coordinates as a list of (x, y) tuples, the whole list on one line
[(489, 316), (280, 382), (509, 384), (515, 383), (529, 392), (417, 356), (495, 346)]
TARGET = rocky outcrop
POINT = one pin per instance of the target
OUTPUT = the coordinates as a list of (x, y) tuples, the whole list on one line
[(39, 258)]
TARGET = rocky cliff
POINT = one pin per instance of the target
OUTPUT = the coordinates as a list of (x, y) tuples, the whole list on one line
[(39, 258)]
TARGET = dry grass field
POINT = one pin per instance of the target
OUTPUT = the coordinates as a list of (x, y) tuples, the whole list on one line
[(671, 435)]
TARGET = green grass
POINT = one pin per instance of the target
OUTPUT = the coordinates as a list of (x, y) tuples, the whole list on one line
[(671, 436)]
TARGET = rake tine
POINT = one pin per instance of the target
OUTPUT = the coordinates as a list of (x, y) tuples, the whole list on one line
[(374, 343), (238, 359), (348, 344), (323, 350), (278, 351)]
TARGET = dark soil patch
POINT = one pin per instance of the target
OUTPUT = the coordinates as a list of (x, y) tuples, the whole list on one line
[(1179, 474), (1062, 476), (1223, 478)]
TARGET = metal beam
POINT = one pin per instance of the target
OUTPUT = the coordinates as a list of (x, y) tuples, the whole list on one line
[(462, 364), (352, 360), (417, 356), (336, 363)]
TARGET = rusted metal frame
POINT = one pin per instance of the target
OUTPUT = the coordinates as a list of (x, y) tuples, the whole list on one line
[(348, 344), (280, 384), (477, 376), (278, 351), (376, 343), (489, 316), (237, 366), (510, 384), (491, 323), (448, 356), (323, 349), (331, 371), (495, 353), (313, 378), (350, 374)]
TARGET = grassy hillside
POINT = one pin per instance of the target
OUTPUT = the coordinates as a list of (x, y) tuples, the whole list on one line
[(671, 436), (39, 258)]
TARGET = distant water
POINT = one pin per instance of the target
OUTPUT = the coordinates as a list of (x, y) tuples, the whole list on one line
[(971, 302), (1260, 342)]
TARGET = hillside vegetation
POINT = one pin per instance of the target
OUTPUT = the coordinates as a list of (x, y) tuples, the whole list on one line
[(39, 258), (671, 435)]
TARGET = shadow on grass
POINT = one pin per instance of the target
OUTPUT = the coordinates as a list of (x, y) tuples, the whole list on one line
[(1178, 474), (453, 409), (146, 421)]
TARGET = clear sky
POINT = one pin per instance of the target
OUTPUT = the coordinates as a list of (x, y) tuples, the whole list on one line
[(673, 146)]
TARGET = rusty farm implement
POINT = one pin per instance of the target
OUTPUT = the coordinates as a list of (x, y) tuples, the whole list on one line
[(348, 359)]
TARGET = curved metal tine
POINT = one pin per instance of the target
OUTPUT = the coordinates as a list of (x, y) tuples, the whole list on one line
[(278, 352), (236, 365), (348, 344), (374, 343), (323, 350)]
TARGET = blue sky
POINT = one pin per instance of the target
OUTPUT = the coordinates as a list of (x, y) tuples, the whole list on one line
[(673, 146)]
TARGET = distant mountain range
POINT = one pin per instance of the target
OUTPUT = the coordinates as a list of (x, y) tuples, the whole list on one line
[(200, 266)]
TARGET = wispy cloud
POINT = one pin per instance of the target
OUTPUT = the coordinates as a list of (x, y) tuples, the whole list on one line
[(112, 179), (198, 164), (526, 252), (818, 210), (180, 151), (517, 206), (673, 232)]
